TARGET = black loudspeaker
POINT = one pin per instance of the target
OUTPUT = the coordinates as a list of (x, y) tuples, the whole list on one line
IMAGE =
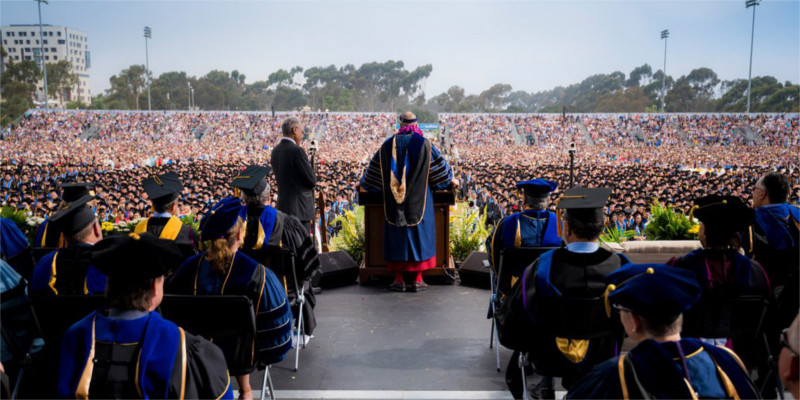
[(472, 272), (338, 269)]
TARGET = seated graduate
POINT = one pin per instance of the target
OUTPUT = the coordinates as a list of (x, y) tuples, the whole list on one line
[(223, 270), (533, 227), (130, 351), (69, 270), (650, 299), (164, 193), (721, 270), (268, 227), (15, 249), (48, 235), (577, 270)]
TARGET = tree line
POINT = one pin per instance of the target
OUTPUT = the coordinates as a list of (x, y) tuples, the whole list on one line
[(390, 86)]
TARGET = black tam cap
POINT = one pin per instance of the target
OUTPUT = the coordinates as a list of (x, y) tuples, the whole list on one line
[(723, 213), (162, 189), (252, 180), (74, 191), (75, 217), (135, 257), (585, 204)]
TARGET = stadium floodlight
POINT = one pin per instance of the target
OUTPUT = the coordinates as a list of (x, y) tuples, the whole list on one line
[(748, 4), (664, 35), (148, 34), (191, 91), (41, 51)]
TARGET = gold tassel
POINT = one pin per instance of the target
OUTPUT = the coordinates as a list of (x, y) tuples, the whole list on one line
[(608, 291)]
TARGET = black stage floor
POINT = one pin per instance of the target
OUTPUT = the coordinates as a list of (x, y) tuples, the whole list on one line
[(374, 343)]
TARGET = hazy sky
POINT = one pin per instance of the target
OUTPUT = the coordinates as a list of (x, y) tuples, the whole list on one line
[(532, 45)]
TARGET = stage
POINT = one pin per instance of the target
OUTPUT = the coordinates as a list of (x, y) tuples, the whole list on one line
[(374, 343)]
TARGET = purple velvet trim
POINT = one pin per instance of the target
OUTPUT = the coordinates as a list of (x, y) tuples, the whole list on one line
[(410, 128)]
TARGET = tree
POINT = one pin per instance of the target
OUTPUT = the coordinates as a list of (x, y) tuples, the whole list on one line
[(18, 85), (60, 79), (127, 87), (639, 76)]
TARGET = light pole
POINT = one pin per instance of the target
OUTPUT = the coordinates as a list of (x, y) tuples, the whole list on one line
[(41, 51), (189, 94), (748, 4), (664, 35), (147, 35)]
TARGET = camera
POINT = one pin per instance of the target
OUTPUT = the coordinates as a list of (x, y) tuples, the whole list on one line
[(572, 148), (313, 147)]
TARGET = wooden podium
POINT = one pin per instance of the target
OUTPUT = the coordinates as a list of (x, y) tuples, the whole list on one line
[(374, 218)]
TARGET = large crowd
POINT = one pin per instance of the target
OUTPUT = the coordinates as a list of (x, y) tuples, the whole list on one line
[(669, 158)]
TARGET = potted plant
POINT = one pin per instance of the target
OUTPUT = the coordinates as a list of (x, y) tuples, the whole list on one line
[(467, 231)]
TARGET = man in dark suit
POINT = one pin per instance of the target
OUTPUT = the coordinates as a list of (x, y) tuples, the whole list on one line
[(294, 173)]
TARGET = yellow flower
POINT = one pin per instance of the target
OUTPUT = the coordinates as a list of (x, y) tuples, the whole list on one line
[(107, 226), (694, 229)]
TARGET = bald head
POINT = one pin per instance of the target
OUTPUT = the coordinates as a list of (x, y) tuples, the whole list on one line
[(408, 118)]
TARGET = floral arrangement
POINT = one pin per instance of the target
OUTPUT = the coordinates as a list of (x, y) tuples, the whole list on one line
[(467, 231), (616, 236), (27, 224)]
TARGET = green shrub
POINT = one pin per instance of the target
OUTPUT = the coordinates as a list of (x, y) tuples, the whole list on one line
[(616, 236), (668, 224), (351, 236), (467, 231)]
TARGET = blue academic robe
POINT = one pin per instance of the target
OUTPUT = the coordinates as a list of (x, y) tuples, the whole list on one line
[(46, 274), (416, 241), (171, 362), (655, 370)]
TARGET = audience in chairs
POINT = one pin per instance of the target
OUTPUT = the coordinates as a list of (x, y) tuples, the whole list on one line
[(650, 300), (129, 351), (223, 270), (577, 270)]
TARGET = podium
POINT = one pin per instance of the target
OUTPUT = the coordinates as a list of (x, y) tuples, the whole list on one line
[(374, 219)]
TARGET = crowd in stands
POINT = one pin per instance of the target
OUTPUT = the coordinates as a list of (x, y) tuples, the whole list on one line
[(45, 149)]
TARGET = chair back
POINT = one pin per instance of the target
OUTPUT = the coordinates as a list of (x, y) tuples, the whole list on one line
[(57, 313), (211, 316), (513, 261), (18, 324), (720, 317), (280, 260)]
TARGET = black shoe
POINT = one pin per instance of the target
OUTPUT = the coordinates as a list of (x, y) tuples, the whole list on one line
[(418, 287), (398, 286)]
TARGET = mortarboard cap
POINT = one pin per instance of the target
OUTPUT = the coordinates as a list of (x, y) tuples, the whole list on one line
[(585, 204), (723, 213), (75, 217), (135, 257), (162, 189), (658, 292), (252, 180), (221, 218), (74, 191), (537, 186)]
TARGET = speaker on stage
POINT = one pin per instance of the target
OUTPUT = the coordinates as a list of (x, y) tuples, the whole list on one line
[(338, 269), (472, 272)]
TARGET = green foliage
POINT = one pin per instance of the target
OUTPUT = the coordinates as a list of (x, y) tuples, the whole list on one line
[(18, 85), (467, 231), (616, 236), (60, 79), (72, 105), (192, 221), (28, 225), (351, 238), (668, 224)]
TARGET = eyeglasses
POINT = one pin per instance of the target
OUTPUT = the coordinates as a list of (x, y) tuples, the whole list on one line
[(785, 342), (620, 308)]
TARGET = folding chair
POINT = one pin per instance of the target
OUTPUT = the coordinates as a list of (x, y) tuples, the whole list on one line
[(20, 332), (221, 316), (513, 261), (281, 262), (741, 318), (573, 318)]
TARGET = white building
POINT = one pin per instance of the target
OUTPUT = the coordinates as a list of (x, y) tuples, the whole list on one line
[(60, 43)]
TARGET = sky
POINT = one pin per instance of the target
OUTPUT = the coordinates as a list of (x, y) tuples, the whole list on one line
[(531, 45)]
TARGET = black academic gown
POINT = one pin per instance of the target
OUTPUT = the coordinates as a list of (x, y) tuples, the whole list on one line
[(574, 275), (284, 230)]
